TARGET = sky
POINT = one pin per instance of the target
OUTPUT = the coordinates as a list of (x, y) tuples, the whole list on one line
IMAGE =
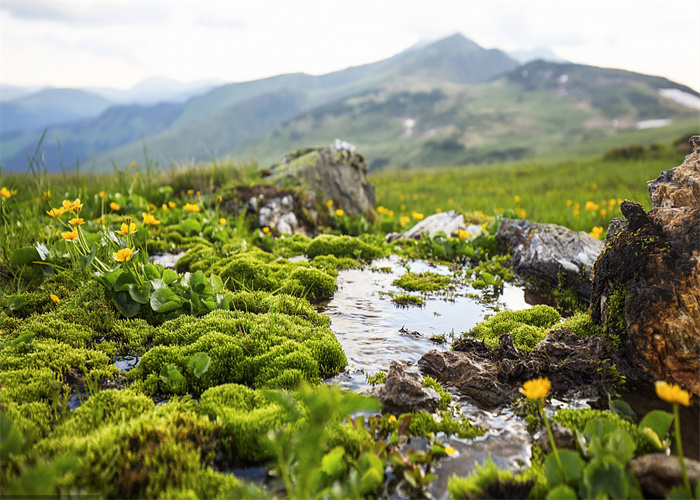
[(121, 43)]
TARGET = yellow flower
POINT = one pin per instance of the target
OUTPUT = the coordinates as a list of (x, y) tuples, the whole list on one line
[(438, 210), (404, 220), (392, 419), (190, 207), (537, 388), (127, 229), (266, 230), (521, 212), (516, 199), (219, 198), (569, 203), (172, 204), (329, 203), (133, 164), (222, 221), (151, 207), (56, 212), (164, 207), (47, 195), (55, 299), (72, 206), (672, 393), (76, 221), (5, 193), (596, 231), (463, 233), (591, 206), (124, 254), (102, 194), (100, 220), (339, 212), (603, 212), (70, 235), (114, 206), (451, 451), (149, 219), (190, 192), (417, 215)]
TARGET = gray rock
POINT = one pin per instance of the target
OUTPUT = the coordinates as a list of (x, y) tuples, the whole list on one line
[(278, 213), (563, 438), (404, 392), (334, 173), (448, 222), (551, 253), (658, 473), (616, 226)]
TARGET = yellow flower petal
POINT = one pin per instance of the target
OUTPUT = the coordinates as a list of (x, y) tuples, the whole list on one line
[(114, 206), (76, 221), (537, 388), (124, 254), (70, 235), (672, 393), (55, 298)]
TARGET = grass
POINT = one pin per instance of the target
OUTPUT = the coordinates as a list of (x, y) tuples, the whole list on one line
[(545, 191)]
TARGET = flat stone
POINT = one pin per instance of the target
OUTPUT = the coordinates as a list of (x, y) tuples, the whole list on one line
[(658, 473)]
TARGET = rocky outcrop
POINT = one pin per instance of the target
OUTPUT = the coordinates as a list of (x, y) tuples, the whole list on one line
[(647, 281), (334, 173), (576, 366), (403, 392), (448, 222), (658, 473), (551, 253)]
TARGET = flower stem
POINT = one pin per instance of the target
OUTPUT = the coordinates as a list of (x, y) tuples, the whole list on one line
[(551, 438), (679, 449)]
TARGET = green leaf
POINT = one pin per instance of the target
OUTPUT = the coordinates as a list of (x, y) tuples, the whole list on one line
[(199, 283), (23, 338), (191, 225), (678, 493), (170, 373), (164, 300), (488, 278), (562, 492), (140, 293), (332, 462), (605, 476), (123, 281), (658, 421), (572, 472), (199, 363), (599, 428), (157, 283), (169, 276), (151, 272), (372, 479), (110, 279), (217, 286), (85, 261), (16, 302), (624, 410), (408, 476), (129, 308), (24, 255), (621, 446)]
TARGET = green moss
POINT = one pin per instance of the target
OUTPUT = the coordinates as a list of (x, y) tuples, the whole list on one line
[(445, 397), (616, 310), (499, 265), (246, 416), (527, 326), (287, 246), (332, 264), (577, 420), (343, 246), (424, 424), (258, 350), (487, 481), (406, 299), (377, 378), (422, 282), (582, 325)]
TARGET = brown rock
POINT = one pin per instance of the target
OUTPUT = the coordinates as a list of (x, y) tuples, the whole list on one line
[(576, 366), (404, 392), (658, 473), (647, 281)]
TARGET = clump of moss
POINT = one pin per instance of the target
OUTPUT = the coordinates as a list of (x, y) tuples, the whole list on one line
[(582, 325), (257, 350), (616, 310), (291, 246), (424, 424), (377, 378), (343, 246), (406, 299), (331, 264), (488, 481), (445, 396), (527, 327), (422, 282)]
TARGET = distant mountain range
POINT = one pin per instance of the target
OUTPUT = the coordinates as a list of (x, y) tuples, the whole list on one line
[(445, 102)]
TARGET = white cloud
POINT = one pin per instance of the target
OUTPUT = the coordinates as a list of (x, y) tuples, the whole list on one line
[(120, 43)]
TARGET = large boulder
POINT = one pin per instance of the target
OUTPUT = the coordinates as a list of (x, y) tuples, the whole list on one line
[(334, 173), (647, 281), (551, 253)]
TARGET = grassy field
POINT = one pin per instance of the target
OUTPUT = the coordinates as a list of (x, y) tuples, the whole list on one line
[(578, 194)]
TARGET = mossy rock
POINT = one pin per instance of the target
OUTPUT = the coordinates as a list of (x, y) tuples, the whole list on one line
[(422, 282), (343, 246), (527, 327)]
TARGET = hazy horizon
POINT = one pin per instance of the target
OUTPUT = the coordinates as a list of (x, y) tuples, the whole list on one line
[(121, 44)]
